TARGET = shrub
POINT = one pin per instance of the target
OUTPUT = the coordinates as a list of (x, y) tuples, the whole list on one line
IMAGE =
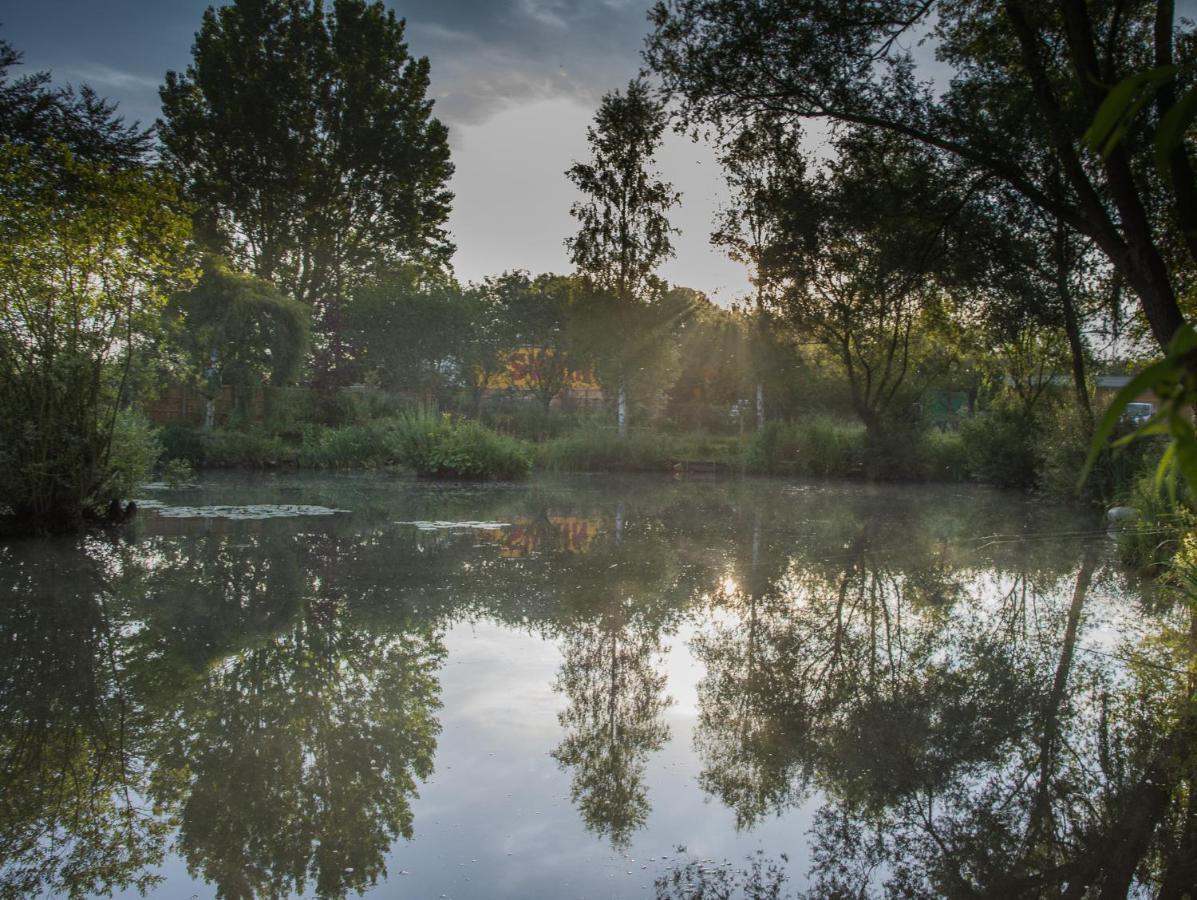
[(134, 452), (439, 447), (373, 445), (814, 446), (944, 456), (182, 442), (253, 448), (1000, 445), (603, 449), (1150, 542), (1063, 446)]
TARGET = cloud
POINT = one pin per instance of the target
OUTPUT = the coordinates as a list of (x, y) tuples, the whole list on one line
[(104, 78), (489, 56)]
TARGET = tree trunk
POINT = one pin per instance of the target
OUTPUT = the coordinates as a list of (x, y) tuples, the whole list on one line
[(1072, 325), (622, 409), (760, 406)]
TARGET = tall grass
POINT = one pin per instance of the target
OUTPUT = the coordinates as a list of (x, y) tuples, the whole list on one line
[(601, 449), (816, 446), (439, 447)]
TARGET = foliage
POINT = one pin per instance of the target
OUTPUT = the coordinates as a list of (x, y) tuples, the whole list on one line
[(88, 254), (408, 332), (623, 232), (135, 452), (439, 447), (303, 133), (1021, 87), (366, 446), (1002, 442), (812, 446), (40, 117), (244, 325), (1151, 541), (601, 448), (944, 456), (543, 319), (251, 448), (181, 442)]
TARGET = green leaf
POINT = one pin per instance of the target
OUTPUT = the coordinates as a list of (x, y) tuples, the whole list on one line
[(1121, 105), (1172, 129), (1146, 379)]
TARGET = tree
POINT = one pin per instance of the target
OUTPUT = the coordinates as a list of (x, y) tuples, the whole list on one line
[(307, 142), (543, 317), (623, 232), (34, 113), (407, 331), (244, 326), (88, 255), (1026, 82), (764, 167), (877, 277)]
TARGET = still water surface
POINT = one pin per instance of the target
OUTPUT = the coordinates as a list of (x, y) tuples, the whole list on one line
[(589, 687)]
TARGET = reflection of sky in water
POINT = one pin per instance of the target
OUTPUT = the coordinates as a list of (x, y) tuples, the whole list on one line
[(496, 819), (509, 578)]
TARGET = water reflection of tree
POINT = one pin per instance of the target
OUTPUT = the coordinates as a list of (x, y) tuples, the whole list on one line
[(296, 760), (73, 820), (612, 723), (802, 656), (611, 642)]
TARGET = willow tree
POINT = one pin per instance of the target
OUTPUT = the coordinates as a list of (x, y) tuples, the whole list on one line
[(305, 137), (623, 232)]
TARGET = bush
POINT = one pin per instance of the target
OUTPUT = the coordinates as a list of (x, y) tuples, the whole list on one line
[(373, 445), (133, 454), (944, 456), (253, 448), (1150, 542), (815, 446), (182, 442), (598, 449), (1000, 446), (439, 447), (1063, 447)]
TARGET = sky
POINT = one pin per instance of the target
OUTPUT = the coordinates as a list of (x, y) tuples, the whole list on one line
[(516, 81)]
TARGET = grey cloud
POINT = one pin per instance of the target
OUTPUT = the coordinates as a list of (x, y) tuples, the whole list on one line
[(489, 56)]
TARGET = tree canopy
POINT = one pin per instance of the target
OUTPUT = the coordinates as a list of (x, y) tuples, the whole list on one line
[(307, 142)]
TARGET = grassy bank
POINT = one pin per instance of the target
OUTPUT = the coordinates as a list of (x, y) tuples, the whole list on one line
[(989, 449), (428, 444)]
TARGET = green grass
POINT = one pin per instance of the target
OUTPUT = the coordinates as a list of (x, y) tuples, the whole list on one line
[(601, 449)]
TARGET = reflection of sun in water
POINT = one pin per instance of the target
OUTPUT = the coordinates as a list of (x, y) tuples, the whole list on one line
[(730, 586)]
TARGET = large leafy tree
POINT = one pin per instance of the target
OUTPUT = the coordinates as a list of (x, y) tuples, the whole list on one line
[(1026, 82), (764, 168), (307, 141), (879, 275), (543, 321), (623, 232)]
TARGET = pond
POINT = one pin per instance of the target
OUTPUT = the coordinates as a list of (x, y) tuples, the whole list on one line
[(274, 685)]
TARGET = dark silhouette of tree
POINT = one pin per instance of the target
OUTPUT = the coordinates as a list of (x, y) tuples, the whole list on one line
[(623, 232), (304, 135)]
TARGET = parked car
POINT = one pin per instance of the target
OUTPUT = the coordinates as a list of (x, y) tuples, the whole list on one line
[(1138, 413)]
